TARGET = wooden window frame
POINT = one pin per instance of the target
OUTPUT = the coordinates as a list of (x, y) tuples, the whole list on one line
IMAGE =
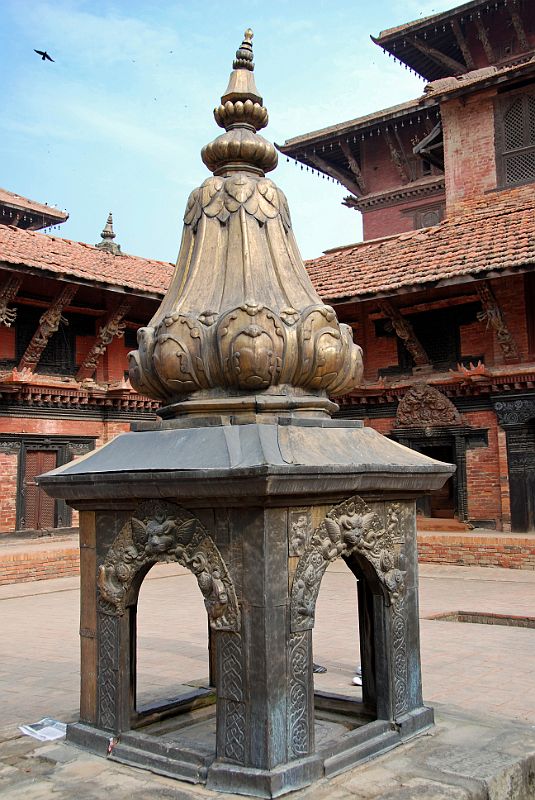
[(66, 448), (502, 104)]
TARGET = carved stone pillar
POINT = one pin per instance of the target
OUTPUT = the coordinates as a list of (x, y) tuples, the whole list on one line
[(113, 326), (8, 292), (48, 325)]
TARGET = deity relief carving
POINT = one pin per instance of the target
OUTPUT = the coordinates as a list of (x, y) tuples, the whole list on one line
[(351, 527), (424, 406), (165, 532), (300, 524)]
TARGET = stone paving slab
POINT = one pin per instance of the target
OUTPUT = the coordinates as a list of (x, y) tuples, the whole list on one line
[(467, 667), (462, 758)]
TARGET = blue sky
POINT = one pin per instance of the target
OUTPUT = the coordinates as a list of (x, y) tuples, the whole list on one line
[(118, 121)]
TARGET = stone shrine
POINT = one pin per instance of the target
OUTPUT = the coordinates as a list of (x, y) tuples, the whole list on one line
[(247, 481)]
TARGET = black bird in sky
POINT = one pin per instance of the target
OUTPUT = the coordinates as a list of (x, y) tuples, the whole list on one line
[(44, 55)]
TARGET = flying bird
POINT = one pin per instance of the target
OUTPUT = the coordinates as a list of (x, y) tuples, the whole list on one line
[(44, 55)]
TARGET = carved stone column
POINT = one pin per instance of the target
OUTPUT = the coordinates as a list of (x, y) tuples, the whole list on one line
[(48, 325), (113, 326)]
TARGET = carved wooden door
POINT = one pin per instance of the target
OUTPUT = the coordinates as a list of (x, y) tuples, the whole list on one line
[(521, 453), (38, 509)]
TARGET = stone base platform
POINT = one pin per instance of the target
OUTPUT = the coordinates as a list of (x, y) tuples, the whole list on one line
[(464, 757), (183, 746)]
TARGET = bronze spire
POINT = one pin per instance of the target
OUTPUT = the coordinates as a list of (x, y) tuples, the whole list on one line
[(241, 327)]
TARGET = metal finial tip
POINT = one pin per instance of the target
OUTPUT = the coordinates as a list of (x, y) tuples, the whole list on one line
[(244, 54)]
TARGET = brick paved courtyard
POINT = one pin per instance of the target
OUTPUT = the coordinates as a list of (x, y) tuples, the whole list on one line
[(472, 666)]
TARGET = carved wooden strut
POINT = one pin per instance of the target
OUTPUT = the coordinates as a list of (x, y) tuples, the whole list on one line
[(48, 325), (112, 327), (405, 332), (8, 292), (493, 316)]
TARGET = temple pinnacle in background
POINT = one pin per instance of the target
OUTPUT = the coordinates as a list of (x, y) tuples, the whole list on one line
[(241, 326)]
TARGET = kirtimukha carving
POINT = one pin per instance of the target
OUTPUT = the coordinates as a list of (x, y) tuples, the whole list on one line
[(424, 406), (241, 315), (165, 532), (351, 527)]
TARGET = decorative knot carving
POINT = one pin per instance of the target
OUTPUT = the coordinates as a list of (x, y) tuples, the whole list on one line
[(351, 527), (424, 406), (165, 532)]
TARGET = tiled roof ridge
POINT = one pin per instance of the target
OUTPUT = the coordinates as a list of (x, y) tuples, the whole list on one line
[(489, 234), (53, 238)]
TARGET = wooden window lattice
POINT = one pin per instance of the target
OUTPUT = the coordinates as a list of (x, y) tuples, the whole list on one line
[(518, 140)]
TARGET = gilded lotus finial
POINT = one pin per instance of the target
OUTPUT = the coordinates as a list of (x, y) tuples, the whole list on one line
[(241, 327)]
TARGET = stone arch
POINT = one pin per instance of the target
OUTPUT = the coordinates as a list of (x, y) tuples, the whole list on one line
[(353, 531), (161, 531)]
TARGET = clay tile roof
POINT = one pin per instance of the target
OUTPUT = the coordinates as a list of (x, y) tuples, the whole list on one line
[(83, 261), (24, 204), (495, 233), (474, 79)]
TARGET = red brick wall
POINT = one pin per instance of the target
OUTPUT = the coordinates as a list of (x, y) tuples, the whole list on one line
[(469, 155), (57, 562), (483, 471), (399, 218), (471, 550), (8, 491), (7, 342), (102, 431)]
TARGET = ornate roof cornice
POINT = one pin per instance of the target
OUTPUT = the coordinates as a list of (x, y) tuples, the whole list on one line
[(431, 188)]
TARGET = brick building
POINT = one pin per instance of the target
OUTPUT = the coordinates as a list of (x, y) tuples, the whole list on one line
[(441, 293), (69, 313)]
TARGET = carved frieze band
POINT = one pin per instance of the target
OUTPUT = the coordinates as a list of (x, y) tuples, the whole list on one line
[(48, 324), (299, 667), (113, 326), (165, 532), (349, 528), (233, 695), (515, 412), (8, 292), (492, 315)]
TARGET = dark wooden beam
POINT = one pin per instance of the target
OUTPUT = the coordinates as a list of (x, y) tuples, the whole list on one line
[(437, 56), (354, 166), (463, 46), (113, 326), (48, 325), (493, 316), (519, 28), (484, 39), (404, 331), (344, 179), (8, 292)]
